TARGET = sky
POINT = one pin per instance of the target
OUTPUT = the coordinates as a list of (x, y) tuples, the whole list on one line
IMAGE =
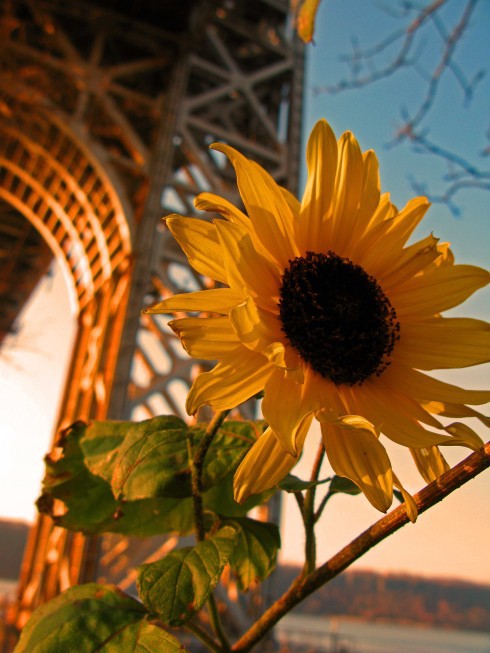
[(32, 373), (451, 539)]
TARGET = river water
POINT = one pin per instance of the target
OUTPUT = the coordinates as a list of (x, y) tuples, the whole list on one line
[(339, 635)]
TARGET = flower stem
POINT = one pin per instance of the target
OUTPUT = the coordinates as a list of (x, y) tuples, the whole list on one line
[(322, 505), (300, 500), (309, 514), (425, 499), (196, 458)]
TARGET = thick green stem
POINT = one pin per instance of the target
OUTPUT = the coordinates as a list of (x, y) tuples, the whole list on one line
[(309, 514), (300, 500), (425, 499), (196, 458), (196, 491), (205, 443), (321, 507)]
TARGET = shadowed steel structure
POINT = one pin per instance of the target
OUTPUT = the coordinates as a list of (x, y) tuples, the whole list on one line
[(107, 110)]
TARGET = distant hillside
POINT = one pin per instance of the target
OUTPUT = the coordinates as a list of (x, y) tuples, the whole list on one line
[(13, 538), (398, 598), (363, 594)]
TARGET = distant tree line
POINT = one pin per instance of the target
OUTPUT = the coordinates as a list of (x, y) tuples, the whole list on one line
[(398, 598)]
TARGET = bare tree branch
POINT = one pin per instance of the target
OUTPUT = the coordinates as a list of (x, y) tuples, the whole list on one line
[(445, 62), (303, 587), (369, 65)]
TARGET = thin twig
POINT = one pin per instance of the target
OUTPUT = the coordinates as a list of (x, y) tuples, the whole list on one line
[(449, 48), (202, 635), (401, 59), (425, 499), (216, 624), (371, 64)]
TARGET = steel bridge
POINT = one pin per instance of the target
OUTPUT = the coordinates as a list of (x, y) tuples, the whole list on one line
[(107, 108)]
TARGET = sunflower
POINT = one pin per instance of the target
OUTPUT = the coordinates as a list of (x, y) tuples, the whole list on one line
[(328, 311)]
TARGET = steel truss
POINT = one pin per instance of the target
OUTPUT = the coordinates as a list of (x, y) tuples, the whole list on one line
[(106, 114)]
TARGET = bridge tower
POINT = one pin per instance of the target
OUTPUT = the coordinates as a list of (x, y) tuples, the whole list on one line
[(107, 108)]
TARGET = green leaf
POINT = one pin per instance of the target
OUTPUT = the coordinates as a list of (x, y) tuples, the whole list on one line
[(227, 449), (79, 500), (340, 484), (255, 554), (177, 586), (220, 499), (294, 484), (77, 490), (153, 461), (153, 639), (150, 517), (91, 618), (100, 444)]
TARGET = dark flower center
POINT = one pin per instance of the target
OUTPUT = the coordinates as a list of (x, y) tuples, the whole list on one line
[(337, 317)]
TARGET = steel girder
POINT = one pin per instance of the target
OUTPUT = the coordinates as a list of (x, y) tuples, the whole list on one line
[(106, 117)]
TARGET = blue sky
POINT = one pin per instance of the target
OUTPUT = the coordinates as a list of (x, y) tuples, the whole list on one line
[(373, 113), (452, 539)]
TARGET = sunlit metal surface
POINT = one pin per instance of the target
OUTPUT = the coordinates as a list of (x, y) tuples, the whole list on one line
[(106, 115)]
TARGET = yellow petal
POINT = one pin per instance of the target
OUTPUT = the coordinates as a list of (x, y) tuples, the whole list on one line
[(201, 245), (430, 463), (446, 257), (254, 327), (209, 338), (305, 19), (347, 192), (292, 201), (422, 386), (286, 358), (441, 343), (412, 260), (446, 287), (355, 452), (394, 418), (266, 206), (266, 464), (356, 423), (235, 379), (377, 227), (321, 159), (464, 436), (386, 386), (455, 410), (286, 404), (403, 225), (380, 249), (246, 269), (212, 202), (216, 300), (370, 193), (410, 505), (384, 211)]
